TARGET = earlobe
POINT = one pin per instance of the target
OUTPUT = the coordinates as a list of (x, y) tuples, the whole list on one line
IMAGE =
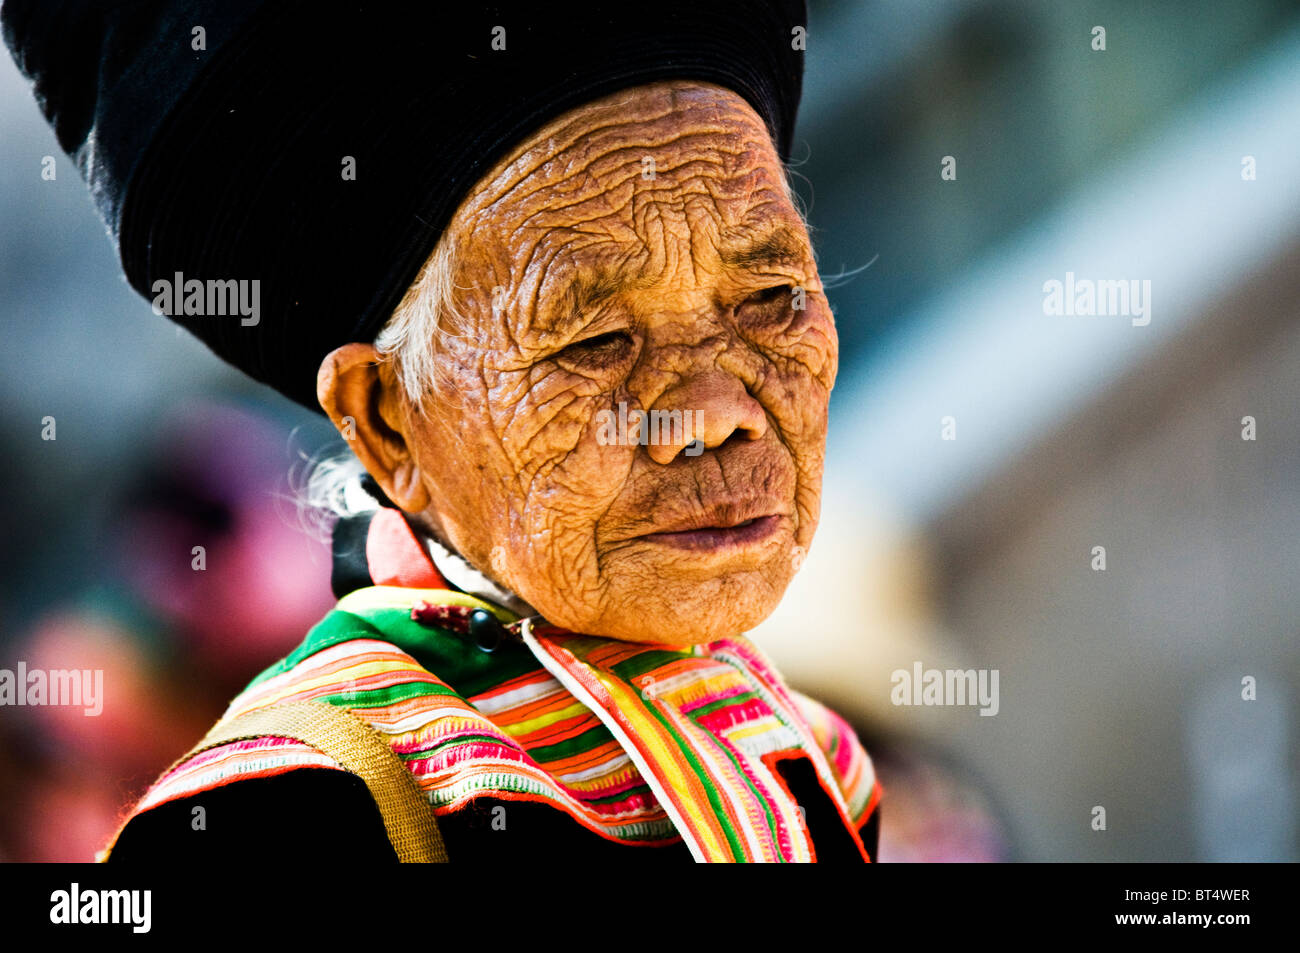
[(359, 393)]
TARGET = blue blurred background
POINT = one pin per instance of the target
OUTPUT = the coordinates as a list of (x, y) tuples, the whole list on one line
[(1119, 688)]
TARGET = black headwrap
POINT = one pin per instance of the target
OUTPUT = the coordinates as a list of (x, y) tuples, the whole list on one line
[(214, 134)]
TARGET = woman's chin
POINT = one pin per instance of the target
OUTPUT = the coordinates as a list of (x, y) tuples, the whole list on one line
[(691, 614)]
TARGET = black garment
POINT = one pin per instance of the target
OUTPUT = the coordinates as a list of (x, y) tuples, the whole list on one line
[(320, 149), (316, 814)]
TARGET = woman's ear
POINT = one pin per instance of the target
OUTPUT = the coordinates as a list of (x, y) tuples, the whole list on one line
[(362, 396)]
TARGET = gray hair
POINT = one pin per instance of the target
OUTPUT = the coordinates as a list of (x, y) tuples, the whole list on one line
[(419, 319), (332, 484)]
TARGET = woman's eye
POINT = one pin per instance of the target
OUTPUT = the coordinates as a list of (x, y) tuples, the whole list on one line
[(603, 350), (776, 293), (771, 307)]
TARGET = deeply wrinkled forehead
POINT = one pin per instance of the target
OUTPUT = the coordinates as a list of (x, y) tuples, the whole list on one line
[(628, 191), (633, 155)]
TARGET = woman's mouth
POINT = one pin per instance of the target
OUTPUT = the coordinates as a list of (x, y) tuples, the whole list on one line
[(720, 538)]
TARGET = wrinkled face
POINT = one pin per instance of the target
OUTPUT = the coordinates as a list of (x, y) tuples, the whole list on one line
[(639, 254)]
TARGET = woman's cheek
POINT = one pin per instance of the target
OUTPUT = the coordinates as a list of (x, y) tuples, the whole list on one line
[(577, 462), (535, 422)]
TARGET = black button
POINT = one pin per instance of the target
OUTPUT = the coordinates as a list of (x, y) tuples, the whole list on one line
[(485, 630)]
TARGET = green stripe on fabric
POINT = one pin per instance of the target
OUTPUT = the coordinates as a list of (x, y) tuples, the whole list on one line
[(713, 706), (451, 742), (719, 808), (726, 749), (383, 697), (644, 662), (590, 739)]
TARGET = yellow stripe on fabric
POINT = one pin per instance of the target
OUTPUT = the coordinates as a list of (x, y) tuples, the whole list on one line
[(757, 728), (777, 696), (742, 813), (681, 782), (744, 816), (541, 721), (350, 673)]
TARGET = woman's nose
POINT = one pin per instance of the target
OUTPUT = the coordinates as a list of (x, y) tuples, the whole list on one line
[(712, 408)]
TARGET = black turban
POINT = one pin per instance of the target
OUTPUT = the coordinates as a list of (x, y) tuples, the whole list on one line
[(230, 161)]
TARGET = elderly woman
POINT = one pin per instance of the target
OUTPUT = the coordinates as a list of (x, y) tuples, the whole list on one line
[(542, 269)]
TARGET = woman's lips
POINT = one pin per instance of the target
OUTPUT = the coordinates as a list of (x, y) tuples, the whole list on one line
[(718, 538)]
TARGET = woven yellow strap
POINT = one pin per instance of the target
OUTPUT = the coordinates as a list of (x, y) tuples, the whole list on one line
[(359, 749)]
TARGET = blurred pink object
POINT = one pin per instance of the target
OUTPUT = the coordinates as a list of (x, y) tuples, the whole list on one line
[(259, 581), (930, 815)]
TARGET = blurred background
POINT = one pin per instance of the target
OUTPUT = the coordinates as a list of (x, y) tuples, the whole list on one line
[(1119, 688)]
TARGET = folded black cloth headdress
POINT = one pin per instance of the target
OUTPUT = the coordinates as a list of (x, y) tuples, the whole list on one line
[(215, 134)]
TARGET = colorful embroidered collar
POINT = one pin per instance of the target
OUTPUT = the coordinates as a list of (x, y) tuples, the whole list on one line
[(643, 744)]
